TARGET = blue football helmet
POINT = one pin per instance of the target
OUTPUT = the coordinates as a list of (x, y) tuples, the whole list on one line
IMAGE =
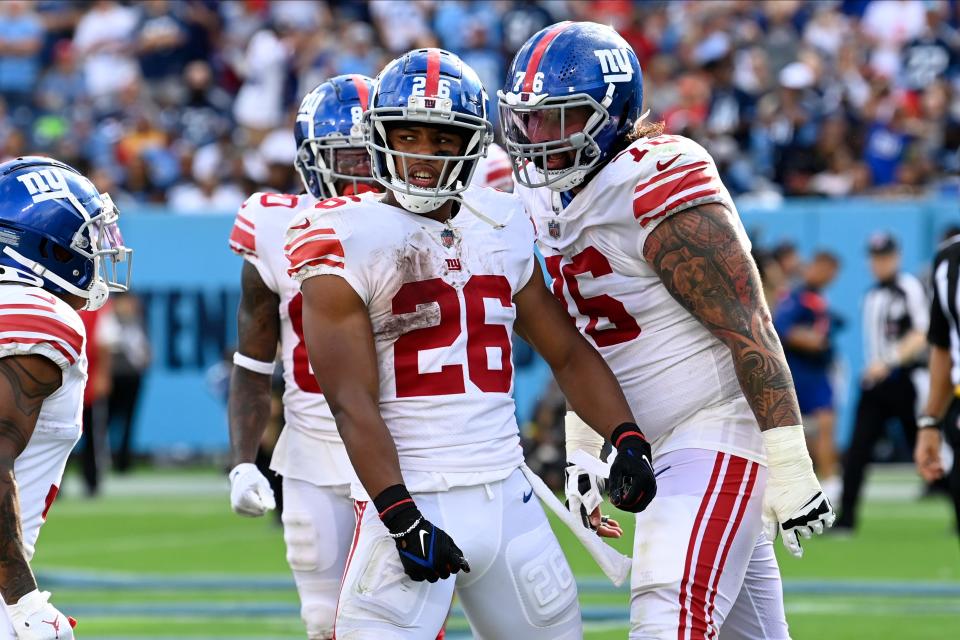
[(57, 232), (428, 87), (574, 89), (329, 134)]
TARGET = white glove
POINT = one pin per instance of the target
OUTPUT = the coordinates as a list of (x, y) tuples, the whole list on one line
[(250, 492), (584, 492), (794, 502), (34, 618)]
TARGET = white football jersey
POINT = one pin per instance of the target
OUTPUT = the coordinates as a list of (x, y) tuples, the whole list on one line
[(310, 432), (36, 322), (494, 170), (679, 379), (440, 298)]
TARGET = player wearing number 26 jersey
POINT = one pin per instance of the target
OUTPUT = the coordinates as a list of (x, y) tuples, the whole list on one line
[(60, 251), (648, 255), (415, 296), (318, 514)]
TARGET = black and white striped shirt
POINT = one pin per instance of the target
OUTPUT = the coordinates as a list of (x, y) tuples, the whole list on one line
[(891, 310), (944, 321)]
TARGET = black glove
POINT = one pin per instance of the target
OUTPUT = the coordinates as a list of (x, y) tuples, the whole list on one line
[(632, 483), (426, 552)]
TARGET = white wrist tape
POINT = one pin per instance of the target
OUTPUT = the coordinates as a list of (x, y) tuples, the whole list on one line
[(257, 366), (787, 452), (580, 436)]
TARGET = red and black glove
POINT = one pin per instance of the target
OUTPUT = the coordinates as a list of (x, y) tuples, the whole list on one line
[(632, 484), (426, 551)]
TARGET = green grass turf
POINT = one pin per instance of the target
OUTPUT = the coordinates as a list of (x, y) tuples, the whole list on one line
[(178, 536)]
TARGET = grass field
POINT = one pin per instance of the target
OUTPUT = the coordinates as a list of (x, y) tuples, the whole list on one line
[(161, 556)]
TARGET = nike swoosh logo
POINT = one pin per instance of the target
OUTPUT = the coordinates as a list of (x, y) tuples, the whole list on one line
[(423, 545), (47, 299), (664, 165), (527, 496), (303, 225)]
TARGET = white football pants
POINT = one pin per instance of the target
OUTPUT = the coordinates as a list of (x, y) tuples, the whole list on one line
[(701, 566), (519, 585), (318, 525), (39, 470)]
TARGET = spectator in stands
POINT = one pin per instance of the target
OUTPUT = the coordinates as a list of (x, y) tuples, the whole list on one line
[(104, 40), (21, 41), (806, 326), (204, 116), (161, 36), (206, 192)]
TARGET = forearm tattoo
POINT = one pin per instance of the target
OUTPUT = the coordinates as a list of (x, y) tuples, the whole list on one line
[(16, 578), (706, 269)]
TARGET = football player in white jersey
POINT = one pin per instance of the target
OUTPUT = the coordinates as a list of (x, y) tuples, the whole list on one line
[(409, 305), (649, 256), (318, 515), (60, 251), (495, 170)]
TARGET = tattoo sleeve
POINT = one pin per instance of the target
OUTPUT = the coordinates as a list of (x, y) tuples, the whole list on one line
[(25, 381), (258, 330), (705, 267)]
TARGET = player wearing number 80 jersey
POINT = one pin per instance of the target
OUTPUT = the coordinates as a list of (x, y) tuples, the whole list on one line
[(318, 513), (651, 260), (415, 296)]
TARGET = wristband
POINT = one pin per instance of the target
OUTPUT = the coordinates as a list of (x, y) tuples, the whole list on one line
[(928, 422), (624, 432), (257, 366), (392, 504)]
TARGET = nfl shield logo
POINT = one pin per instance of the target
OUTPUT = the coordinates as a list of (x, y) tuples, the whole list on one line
[(446, 237), (554, 228)]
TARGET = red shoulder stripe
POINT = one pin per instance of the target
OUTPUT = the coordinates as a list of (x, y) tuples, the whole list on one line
[(54, 329), (53, 343)]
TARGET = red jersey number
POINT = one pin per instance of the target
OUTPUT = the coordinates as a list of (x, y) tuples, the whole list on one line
[(302, 374), (591, 261), (444, 331)]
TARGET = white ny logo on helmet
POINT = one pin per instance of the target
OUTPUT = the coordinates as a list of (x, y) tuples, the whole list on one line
[(45, 184), (615, 65), (308, 108)]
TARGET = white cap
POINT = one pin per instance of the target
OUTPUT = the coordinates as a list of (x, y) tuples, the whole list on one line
[(796, 75), (279, 147)]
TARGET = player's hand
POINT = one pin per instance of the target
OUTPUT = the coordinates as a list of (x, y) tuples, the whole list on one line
[(632, 483), (250, 492), (793, 503), (584, 495), (34, 618), (426, 551), (927, 454)]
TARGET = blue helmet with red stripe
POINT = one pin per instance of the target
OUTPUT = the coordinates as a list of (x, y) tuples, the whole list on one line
[(428, 87), (58, 232), (572, 94), (331, 157)]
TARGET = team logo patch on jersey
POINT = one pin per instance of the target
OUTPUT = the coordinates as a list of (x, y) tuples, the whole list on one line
[(553, 228), (447, 238)]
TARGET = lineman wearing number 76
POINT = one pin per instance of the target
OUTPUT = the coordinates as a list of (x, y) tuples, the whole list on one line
[(650, 258)]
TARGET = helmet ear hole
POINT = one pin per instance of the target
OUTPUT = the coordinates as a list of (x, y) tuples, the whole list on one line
[(60, 254)]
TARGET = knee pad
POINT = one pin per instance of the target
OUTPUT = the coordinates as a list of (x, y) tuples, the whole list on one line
[(542, 578), (309, 550)]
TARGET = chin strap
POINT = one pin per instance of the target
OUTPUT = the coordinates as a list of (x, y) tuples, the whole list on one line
[(490, 221), (96, 296)]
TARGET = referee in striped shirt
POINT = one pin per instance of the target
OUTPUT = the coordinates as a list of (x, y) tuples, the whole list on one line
[(895, 320), (942, 413)]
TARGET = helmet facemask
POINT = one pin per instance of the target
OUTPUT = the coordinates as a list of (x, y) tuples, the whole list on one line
[(456, 170), (522, 117), (327, 160)]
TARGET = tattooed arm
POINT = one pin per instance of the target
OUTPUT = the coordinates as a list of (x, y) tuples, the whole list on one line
[(704, 266), (258, 331), (25, 381)]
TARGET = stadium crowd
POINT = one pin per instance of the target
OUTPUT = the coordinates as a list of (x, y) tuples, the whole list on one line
[(189, 103)]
